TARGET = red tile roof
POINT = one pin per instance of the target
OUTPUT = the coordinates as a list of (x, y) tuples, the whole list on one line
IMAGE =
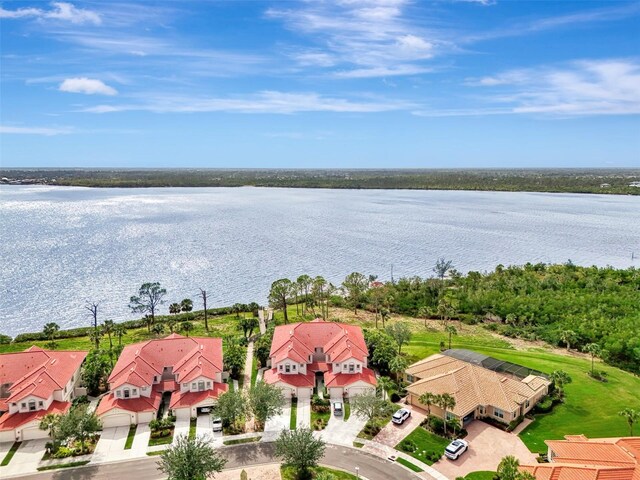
[(188, 399), (294, 379), (141, 404), (9, 422), (37, 372), (578, 458), (189, 356), (297, 341), (343, 379)]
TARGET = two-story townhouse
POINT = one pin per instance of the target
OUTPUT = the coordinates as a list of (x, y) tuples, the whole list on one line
[(34, 383), (183, 372), (314, 354)]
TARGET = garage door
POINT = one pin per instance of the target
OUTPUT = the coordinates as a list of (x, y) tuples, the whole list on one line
[(304, 392), (116, 420), (182, 413), (33, 433)]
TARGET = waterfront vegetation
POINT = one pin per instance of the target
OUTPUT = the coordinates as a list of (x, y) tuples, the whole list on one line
[(536, 180)]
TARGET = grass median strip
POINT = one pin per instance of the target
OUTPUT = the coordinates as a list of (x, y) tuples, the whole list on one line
[(238, 441), (10, 454), (130, 436), (294, 414), (192, 427), (409, 465), (63, 465)]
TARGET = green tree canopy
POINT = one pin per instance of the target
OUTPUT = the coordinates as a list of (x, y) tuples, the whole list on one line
[(265, 401), (190, 459), (299, 449)]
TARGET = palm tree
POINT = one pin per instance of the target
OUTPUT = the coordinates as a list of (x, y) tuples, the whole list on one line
[(594, 350), (95, 336), (398, 365), (446, 402), (50, 330), (107, 327), (174, 308), (158, 329), (560, 378), (186, 305), (567, 337), (50, 422), (451, 330), (632, 417), (172, 324), (428, 399), (187, 327), (119, 331), (508, 468), (385, 384)]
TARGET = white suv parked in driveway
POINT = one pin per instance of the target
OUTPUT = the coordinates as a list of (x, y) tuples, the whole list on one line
[(455, 449), (400, 416)]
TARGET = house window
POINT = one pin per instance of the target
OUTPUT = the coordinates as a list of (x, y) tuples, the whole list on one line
[(135, 391), (208, 384), (118, 394), (200, 386), (127, 394), (287, 368), (41, 404), (336, 365), (280, 367), (351, 368), (193, 386), (32, 406), (293, 367), (526, 404), (410, 378), (24, 405), (498, 413), (301, 365)]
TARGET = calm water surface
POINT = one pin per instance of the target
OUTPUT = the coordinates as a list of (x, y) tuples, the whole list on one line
[(61, 246)]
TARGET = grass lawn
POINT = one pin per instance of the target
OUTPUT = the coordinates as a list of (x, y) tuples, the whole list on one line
[(238, 441), (427, 442), (294, 414), (166, 440), (288, 473), (480, 476), (230, 383), (155, 453), (7, 458), (192, 427), (254, 371), (584, 411), (409, 465), (317, 415), (132, 433), (347, 410)]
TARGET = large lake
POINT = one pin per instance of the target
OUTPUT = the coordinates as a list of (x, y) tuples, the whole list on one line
[(63, 245)]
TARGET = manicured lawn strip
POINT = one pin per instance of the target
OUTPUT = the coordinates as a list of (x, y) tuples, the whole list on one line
[(427, 442), (347, 410), (254, 371), (409, 465), (358, 444), (130, 436), (230, 383), (10, 454), (288, 473), (294, 414), (192, 428), (157, 452), (238, 441), (63, 465), (583, 412), (480, 476), (161, 440), (317, 415)]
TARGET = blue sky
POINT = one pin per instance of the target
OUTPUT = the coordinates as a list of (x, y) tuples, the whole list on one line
[(350, 83)]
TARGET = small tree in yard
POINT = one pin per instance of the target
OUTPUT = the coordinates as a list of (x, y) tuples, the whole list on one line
[(398, 365), (560, 378), (186, 327), (451, 330), (95, 370), (230, 407), (401, 334), (428, 399), (508, 470), (50, 331), (447, 403), (150, 297), (300, 449), (265, 401), (368, 406), (78, 423), (190, 459), (234, 357), (632, 417), (594, 350), (50, 423)]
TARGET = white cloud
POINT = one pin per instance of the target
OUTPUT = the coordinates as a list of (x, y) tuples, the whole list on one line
[(62, 11), (88, 86), (594, 87), (263, 102), (46, 131)]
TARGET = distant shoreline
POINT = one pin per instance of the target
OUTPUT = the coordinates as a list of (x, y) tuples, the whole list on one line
[(586, 181)]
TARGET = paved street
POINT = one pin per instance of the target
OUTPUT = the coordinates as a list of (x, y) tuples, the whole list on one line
[(371, 467)]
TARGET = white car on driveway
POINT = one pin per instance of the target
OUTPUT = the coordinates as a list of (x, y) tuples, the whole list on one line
[(216, 425), (455, 449), (400, 416)]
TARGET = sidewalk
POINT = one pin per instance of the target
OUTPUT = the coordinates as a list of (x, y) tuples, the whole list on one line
[(246, 383)]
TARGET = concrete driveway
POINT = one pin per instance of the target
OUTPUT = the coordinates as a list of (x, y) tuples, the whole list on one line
[(340, 431), (111, 444), (393, 434), (276, 424), (203, 426), (487, 446), (181, 428), (303, 414), (26, 458), (141, 440)]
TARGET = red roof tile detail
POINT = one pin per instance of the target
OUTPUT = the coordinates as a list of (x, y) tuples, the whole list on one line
[(343, 379), (16, 420), (188, 399), (37, 372), (294, 379), (141, 404)]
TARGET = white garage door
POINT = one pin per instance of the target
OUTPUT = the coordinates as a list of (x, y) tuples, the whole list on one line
[(353, 391), (183, 413), (33, 433), (116, 420), (304, 392)]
